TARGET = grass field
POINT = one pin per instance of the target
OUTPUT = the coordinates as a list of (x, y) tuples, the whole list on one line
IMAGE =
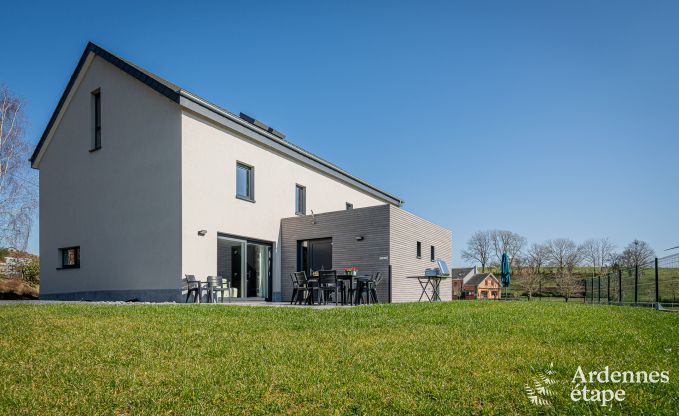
[(448, 358)]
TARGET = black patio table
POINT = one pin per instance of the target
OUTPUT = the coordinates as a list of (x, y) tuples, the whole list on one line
[(359, 280), (434, 282), (351, 278)]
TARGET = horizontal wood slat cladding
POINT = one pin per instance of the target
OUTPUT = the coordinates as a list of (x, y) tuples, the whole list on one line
[(406, 230), (371, 223), (387, 231)]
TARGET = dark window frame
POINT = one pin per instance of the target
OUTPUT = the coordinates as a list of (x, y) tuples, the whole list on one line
[(63, 251), (96, 119), (419, 250), (300, 210), (433, 253), (349, 206), (250, 184)]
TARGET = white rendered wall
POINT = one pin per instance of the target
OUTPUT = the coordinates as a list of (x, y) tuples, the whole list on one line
[(209, 157), (120, 204)]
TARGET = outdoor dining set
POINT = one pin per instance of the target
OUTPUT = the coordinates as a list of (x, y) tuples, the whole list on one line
[(321, 287), (214, 286), (324, 285)]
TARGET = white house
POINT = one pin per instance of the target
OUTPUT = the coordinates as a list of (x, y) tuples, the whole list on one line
[(142, 182)]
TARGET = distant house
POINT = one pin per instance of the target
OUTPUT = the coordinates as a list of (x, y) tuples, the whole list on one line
[(458, 277), (12, 262), (482, 286)]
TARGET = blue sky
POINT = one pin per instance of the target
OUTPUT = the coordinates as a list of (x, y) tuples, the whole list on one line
[(550, 119)]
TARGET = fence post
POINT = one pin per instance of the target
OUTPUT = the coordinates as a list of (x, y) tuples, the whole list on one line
[(599, 294), (620, 286), (608, 286), (657, 288), (636, 283), (591, 286)]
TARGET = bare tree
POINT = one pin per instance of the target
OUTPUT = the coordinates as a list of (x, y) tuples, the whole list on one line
[(507, 242), (598, 252), (530, 281), (565, 255), (606, 253), (536, 256), (568, 284), (637, 253), (590, 253), (478, 249), (17, 191)]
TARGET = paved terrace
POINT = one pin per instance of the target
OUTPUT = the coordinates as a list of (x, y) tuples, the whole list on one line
[(121, 303)]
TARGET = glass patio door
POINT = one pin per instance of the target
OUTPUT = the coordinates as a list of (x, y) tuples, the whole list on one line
[(258, 258), (314, 255), (248, 264)]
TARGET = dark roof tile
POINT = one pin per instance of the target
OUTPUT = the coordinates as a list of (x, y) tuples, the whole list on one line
[(171, 91), (477, 279)]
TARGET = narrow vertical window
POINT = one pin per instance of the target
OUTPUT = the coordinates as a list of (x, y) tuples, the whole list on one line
[(300, 200), (96, 120), (245, 182), (433, 255), (350, 206), (419, 250)]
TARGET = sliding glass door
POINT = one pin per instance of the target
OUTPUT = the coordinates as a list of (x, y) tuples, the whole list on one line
[(248, 264), (313, 255)]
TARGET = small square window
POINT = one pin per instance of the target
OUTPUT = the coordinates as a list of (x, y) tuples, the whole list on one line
[(419, 250), (300, 200), (349, 206), (245, 182), (70, 257), (433, 254)]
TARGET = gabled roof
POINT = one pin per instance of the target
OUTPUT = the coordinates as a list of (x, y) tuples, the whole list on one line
[(208, 109), (460, 273), (478, 278)]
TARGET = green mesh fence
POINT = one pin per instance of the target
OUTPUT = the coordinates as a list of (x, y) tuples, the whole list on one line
[(651, 284)]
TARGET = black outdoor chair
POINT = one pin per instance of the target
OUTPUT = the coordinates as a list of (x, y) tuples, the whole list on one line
[(304, 290), (353, 290), (362, 286), (327, 283), (368, 285), (295, 288), (193, 286), (376, 280), (218, 284)]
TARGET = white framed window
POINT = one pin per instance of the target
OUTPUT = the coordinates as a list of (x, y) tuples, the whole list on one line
[(245, 182), (300, 200)]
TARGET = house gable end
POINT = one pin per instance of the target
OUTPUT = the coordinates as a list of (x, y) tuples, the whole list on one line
[(91, 50)]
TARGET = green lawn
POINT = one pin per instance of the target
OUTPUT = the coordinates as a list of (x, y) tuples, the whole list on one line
[(450, 358)]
